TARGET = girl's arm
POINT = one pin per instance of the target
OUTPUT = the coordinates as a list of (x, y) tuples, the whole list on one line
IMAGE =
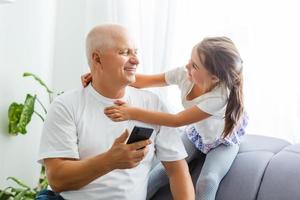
[(155, 80), (142, 81), (188, 116)]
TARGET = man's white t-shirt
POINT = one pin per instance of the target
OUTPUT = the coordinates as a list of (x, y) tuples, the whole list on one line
[(76, 127), (213, 103)]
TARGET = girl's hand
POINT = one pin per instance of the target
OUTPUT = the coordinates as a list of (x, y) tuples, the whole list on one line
[(86, 79), (120, 112)]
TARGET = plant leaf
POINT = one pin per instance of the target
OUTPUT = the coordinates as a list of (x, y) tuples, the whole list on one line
[(39, 80), (5, 194), (27, 112), (14, 113), (20, 115), (19, 182), (21, 195)]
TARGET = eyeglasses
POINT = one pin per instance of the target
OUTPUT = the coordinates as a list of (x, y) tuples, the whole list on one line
[(128, 51)]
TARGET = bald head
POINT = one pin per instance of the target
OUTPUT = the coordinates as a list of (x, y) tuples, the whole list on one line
[(103, 37)]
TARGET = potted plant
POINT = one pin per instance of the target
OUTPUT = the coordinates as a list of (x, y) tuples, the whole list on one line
[(19, 115)]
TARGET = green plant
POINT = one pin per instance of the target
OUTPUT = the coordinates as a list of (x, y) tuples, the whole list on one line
[(22, 193), (19, 116)]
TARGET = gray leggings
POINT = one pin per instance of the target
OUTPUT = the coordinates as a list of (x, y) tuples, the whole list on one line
[(217, 164)]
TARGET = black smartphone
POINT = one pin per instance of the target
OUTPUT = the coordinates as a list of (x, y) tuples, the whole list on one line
[(139, 133)]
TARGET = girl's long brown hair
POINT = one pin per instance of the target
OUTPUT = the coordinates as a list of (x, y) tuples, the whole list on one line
[(222, 59)]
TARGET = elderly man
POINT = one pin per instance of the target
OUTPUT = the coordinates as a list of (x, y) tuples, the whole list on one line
[(85, 153)]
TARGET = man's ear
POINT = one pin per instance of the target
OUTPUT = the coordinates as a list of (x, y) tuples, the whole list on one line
[(96, 57)]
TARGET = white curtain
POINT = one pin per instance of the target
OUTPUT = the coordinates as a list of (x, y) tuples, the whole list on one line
[(150, 22), (266, 33)]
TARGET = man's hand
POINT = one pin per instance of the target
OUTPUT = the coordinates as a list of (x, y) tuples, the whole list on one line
[(62, 172), (86, 79), (120, 112), (124, 156)]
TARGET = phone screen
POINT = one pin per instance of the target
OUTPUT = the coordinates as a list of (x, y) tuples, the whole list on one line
[(139, 133)]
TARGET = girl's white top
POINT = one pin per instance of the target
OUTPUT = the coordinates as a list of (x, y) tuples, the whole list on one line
[(213, 103), (207, 133)]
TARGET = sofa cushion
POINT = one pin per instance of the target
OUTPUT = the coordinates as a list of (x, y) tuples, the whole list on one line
[(282, 176), (244, 178), (262, 143)]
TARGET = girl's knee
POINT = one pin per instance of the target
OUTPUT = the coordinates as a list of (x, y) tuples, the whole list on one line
[(207, 186), (210, 180)]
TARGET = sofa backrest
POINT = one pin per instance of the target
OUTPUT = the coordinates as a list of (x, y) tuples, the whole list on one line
[(265, 168), (243, 180), (282, 177)]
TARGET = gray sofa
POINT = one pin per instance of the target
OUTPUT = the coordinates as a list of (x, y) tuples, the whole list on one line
[(265, 168)]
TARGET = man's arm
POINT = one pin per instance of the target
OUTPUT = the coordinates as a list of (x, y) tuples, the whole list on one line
[(69, 174), (180, 180)]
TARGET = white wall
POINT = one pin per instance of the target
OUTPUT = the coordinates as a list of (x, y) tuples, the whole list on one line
[(69, 51), (47, 38), (73, 21), (26, 44)]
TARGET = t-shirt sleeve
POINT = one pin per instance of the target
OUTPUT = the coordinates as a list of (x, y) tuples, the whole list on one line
[(213, 105), (59, 138), (175, 76), (169, 146)]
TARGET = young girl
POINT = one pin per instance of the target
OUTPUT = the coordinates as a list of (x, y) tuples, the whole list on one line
[(211, 87)]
